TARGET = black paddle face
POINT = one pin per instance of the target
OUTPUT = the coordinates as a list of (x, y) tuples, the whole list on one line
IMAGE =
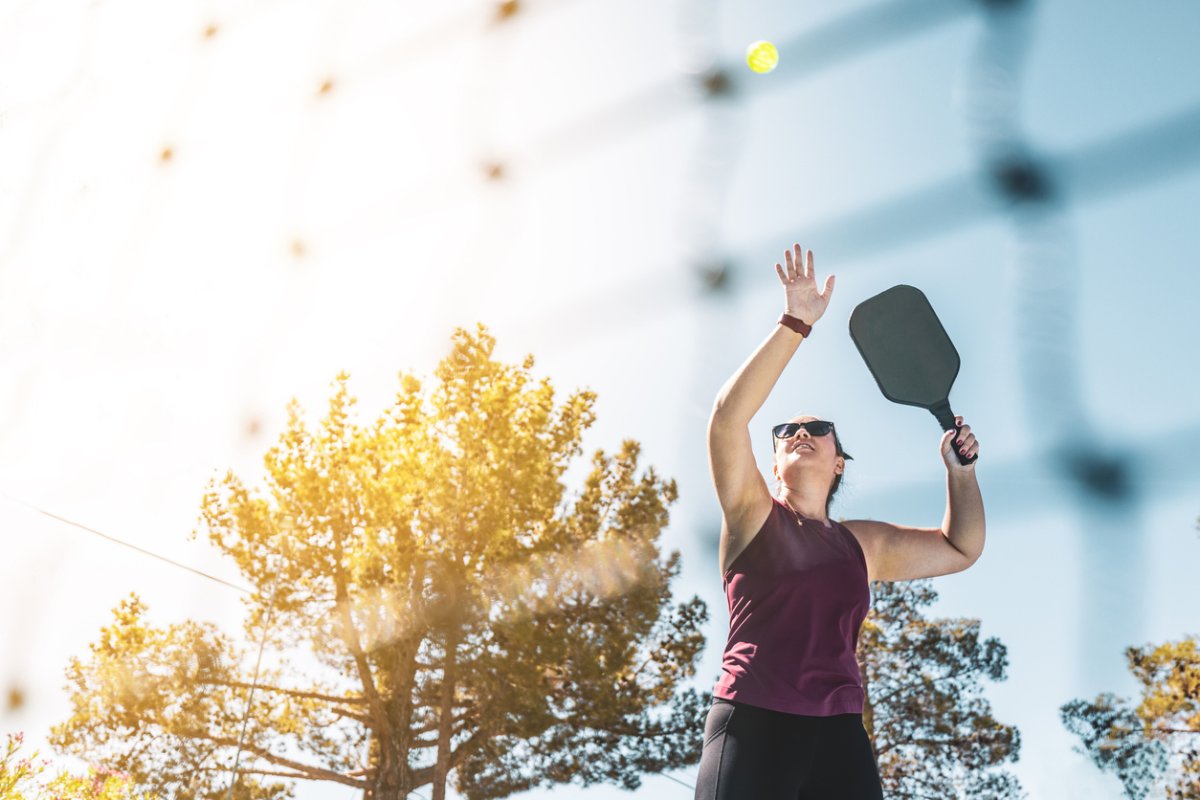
[(907, 350), (905, 346)]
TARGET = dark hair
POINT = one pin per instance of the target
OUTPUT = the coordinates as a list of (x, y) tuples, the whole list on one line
[(837, 478)]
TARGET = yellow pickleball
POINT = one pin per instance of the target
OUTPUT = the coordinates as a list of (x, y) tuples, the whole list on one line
[(762, 56)]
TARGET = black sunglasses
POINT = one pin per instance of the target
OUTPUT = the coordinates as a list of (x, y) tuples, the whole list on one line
[(815, 427)]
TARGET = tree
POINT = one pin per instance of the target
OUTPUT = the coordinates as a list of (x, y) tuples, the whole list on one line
[(21, 778), (463, 622), (933, 734), (1158, 741)]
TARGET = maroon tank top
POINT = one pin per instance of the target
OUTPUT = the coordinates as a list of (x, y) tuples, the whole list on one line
[(798, 595)]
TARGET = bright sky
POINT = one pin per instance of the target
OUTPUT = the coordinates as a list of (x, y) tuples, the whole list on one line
[(192, 233)]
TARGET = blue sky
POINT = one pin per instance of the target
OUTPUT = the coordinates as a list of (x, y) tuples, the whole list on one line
[(152, 308)]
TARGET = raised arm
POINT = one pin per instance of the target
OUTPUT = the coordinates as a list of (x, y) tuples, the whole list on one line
[(739, 484), (904, 553)]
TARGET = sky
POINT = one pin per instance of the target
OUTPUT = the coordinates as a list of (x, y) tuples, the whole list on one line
[(209, 208)]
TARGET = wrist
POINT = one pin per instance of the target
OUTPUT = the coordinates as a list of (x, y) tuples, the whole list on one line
[(790, 320), (803, 316), (956, 476)]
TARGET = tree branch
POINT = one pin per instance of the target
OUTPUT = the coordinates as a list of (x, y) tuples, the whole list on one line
[(433, 726), (465, 749), (607, 508), (939, 790), (362, 719), (935, 742), (241, 771), (627, 731), (913, 686), (309, 771), (281, 690), (633, 677), (423, 775)]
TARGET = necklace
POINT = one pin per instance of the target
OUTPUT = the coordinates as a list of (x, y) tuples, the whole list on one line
[(801, 521)]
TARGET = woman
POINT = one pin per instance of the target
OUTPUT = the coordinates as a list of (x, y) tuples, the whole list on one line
[(786, 721)]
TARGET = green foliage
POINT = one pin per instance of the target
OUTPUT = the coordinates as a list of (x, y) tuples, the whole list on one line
[(1158, 741), (933, 731), (456, 609)]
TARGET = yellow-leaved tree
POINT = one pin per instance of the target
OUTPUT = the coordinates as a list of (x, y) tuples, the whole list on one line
[(1152, 747), (433, 607)]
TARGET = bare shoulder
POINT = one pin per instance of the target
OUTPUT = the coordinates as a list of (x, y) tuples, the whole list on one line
[(867, 531)]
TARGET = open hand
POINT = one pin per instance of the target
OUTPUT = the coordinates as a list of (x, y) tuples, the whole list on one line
[(802, 300)]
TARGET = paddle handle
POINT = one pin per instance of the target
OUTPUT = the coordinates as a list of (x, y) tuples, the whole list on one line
[(945, 418)]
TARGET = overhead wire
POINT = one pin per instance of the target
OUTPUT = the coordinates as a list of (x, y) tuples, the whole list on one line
[(130, 545)]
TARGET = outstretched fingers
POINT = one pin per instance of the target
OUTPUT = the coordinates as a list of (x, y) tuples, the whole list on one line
[(795, 263), (799, 266)]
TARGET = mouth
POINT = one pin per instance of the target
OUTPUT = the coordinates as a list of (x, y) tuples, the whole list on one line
[(799, 446)]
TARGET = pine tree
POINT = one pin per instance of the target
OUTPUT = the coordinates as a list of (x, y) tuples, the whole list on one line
[(1156, 742), (434, 609), (932, 731)]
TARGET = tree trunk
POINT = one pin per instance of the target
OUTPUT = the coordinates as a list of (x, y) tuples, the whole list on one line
[(446, 715), (393, 777)]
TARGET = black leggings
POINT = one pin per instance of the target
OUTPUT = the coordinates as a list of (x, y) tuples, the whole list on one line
[(753, 753)]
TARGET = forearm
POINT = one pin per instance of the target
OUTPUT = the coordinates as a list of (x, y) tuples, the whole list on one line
[(964, 523), (743, 395)]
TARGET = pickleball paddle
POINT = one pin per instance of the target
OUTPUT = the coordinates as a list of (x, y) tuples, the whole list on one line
[(908, 351)]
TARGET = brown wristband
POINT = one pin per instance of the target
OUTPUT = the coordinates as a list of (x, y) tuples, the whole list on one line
[(800, 327)]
